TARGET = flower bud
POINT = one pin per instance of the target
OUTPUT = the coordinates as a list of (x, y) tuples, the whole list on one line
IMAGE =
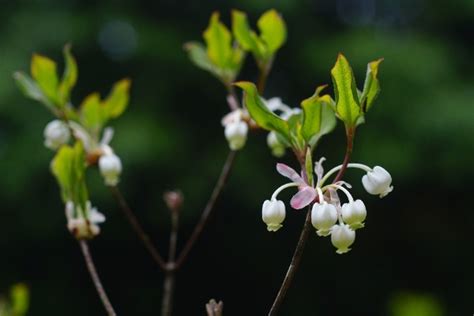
[(273, 214), (110, 167), (56, 133), (342, 236), (378, 182), (354, 213), (236, 134), (278, 149), (323, 217)]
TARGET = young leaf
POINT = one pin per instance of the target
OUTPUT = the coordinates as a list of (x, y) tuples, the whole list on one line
[(219, 42), (347, 100), (312, 108), (244, 34), (28, 86), (117, 101), (68, 166), (272, 30), (328, 123), (43, 70), (260, 113), (371, 85), (92, 113), (61, 167), (69, 76), (198, 55)]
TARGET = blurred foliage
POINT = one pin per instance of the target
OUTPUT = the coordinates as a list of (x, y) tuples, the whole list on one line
[(420, 130), (413, 304), (17, 303)]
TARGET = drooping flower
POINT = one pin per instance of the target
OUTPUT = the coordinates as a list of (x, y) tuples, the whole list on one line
[(277, 147), (378, 181), (354, 213), (235, 129), (56, 133), (342, 236), (110, 167), (273, 214), (323, 218)]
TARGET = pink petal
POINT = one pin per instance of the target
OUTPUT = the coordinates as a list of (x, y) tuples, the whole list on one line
[(301, 199), (288, 172)]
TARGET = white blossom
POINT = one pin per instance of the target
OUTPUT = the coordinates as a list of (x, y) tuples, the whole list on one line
[(342, 236), (56, 133), (110, 167), (273, 214), (277, 147), (236, 134), (323, 217), (377, 181), (354, 213)]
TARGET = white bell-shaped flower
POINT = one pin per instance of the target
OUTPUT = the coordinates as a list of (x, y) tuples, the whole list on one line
[(342, 236), (56, 133), (378, 181), (354, 213), (273, 214), (277, 147), (110, 167), (236, 134), (323, 217)]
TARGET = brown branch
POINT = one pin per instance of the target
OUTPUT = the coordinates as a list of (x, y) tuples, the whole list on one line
[(208, 208), (294, 265), (169, 281), (137, 227), (95, 278)]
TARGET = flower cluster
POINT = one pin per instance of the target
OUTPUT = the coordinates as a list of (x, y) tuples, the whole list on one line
[(236, 124), (83, 222), (328, 216), (58, 133)]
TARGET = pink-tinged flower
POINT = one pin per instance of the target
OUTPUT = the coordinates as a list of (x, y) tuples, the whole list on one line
[(306, 193)]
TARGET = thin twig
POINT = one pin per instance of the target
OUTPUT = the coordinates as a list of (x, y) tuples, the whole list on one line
[(350, 142), (295, 263), (95, 278), (169, 281), (208, 208), (137, 227)]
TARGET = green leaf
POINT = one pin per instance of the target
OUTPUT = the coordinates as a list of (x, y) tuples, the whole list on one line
[(243, 33), (68, 166), (371, 85), (69, 76), (260, 113), (198, 55), (117, 101), (294, 126), (92, 113), (219, 42), (28, 86), (61, 167), (272, 30), (312, 108), (43, 70), (328, 123), (347, 100)]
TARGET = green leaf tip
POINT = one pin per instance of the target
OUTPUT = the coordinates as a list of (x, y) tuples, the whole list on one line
[(371, 85)]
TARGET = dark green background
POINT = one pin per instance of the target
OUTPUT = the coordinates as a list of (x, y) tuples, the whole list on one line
[(417, 242)]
